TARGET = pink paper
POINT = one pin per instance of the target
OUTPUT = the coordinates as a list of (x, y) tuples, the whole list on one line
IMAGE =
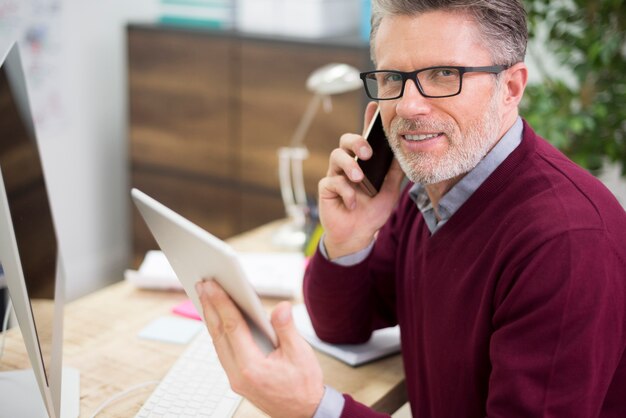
[(187, 309)]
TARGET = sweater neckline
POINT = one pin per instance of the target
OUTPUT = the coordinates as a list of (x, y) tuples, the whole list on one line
[(491, 186)]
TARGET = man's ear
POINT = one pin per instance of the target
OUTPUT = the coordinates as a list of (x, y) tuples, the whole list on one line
[(516, 78), (370, 109)]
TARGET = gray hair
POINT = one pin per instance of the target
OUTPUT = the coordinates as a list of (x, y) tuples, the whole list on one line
[(502, 23)]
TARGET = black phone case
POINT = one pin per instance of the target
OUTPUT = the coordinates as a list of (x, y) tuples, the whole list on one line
[(375, 169)]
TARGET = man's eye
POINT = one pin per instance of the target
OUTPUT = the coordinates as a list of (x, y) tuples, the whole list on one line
[(392, 78), (440, 75)]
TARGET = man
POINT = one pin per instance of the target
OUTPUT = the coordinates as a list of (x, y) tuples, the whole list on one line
[(503, 262)]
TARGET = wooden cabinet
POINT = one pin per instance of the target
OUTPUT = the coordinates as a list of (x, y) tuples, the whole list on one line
[(208, 112)]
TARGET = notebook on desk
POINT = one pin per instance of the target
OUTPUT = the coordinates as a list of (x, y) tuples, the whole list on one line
[(384, 342)]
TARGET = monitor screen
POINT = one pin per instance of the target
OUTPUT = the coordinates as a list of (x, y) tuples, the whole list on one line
[(29, 207)]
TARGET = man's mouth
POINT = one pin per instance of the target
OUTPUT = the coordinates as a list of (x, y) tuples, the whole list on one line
[(421, 137)]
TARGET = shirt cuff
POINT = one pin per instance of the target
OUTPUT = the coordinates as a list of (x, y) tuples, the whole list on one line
[(331, 404), (350, 259)]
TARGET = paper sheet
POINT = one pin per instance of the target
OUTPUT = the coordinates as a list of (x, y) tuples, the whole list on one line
[(171, 329), (274, 274)]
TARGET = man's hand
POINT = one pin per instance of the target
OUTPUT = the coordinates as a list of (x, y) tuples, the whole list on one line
[(286, 383), (349, 216)]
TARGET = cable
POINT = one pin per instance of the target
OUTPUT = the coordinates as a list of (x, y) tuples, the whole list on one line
[(5, 325), (122, 394)]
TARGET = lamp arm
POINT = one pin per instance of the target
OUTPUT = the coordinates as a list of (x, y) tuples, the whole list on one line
[(298, 136)]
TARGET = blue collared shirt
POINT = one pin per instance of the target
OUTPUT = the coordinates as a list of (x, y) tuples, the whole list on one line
[(460, 192)]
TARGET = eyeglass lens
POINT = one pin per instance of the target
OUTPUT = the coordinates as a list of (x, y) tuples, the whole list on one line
[(435, 82)]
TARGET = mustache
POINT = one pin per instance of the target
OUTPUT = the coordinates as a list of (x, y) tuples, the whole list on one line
[(400, 124)]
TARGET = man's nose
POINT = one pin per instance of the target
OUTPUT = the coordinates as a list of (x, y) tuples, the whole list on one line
[(412, 103)]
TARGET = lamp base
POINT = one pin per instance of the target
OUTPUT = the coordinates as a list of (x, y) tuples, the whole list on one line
[(290, 236)]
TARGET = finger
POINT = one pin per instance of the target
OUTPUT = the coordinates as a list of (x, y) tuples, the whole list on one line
[(355, 145), (233, 323), (228, 349), (232, 328), (220, 342), (211, 317), (291, 342), (343, 163), (329, 188), (282, 321), (352, 145)]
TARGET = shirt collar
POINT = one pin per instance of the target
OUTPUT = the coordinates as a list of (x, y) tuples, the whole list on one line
[(460, 192)]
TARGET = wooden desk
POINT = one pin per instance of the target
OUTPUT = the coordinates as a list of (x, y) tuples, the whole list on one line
[(101, 341)]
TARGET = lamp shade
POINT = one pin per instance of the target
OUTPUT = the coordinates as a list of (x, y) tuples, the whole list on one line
[(334, 79)]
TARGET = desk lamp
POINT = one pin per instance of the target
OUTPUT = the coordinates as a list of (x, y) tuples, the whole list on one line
[(324, 82)]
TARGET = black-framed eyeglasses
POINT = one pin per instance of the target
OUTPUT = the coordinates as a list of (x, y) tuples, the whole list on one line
[(434, 82)]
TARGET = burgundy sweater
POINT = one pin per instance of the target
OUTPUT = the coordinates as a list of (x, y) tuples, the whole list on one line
[(516, 307)]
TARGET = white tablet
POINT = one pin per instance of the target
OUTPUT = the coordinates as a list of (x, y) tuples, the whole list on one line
[(195, 254)]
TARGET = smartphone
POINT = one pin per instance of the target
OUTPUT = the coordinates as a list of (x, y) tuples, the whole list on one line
[(375, 169)]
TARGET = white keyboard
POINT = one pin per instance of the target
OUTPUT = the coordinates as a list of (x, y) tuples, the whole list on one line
[(195, 386)]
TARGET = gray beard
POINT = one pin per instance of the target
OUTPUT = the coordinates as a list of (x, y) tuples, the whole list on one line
[(464, 152)]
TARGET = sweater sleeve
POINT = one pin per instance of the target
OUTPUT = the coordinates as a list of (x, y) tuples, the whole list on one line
[(337, 298), (559, 329), (347, 303), (354, 409)]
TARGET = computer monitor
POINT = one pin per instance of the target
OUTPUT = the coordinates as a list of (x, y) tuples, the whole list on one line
[(30, 257)]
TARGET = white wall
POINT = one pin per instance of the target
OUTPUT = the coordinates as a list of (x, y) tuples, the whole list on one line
[(88, 163), (85, 153)]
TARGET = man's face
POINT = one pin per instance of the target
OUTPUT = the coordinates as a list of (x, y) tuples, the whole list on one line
[(436, 139)]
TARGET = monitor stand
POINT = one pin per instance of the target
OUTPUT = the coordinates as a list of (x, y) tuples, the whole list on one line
[(20, 396)]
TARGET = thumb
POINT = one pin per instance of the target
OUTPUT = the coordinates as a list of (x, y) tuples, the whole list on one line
[(282, 320)]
